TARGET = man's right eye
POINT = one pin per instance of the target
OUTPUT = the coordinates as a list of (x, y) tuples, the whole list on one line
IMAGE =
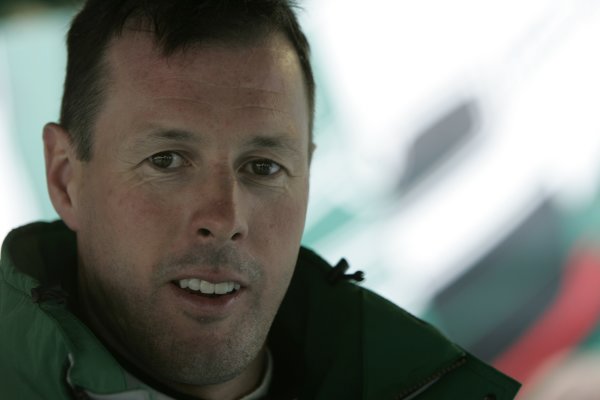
[(167, 160)]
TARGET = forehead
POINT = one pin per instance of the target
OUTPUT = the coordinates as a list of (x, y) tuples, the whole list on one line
[(267, 65)]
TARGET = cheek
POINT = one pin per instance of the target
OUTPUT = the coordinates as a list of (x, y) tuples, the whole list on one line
[(148, 216), (289, 223), (276, 235), (138, 210), (133, 224), (282, 222)]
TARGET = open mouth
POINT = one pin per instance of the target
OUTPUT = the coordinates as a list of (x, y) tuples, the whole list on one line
[(207, 289)]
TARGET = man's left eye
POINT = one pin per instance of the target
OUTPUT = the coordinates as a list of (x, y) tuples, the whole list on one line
[(263, 167), (167, 160)]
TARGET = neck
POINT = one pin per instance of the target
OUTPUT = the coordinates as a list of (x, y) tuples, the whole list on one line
[(234, 389)]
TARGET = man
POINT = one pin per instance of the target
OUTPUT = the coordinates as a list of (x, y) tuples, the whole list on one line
[(180, 171)]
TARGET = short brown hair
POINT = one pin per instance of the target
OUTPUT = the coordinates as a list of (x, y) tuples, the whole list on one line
[(176, 25)]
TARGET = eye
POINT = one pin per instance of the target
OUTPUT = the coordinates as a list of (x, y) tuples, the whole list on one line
[(263, 167), (167, 160)]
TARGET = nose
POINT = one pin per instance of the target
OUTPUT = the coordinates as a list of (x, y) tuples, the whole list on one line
[(219, 216)]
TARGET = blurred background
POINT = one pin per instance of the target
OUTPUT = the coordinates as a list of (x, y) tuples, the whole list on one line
[(458, 164)]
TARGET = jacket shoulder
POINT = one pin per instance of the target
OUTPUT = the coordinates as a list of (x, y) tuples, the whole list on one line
[(392, 353)]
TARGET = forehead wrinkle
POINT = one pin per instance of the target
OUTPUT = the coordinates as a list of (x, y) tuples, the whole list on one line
[(198, 85), (143, 74), (211, 104), (195, 90), (209, 96)]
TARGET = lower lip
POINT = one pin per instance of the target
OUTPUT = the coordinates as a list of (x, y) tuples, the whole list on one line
[(205, 306)]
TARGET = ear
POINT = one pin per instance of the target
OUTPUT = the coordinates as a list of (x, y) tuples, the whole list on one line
[(62, 172)]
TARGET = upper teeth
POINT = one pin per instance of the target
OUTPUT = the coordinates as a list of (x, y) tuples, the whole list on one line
[(206, 287)]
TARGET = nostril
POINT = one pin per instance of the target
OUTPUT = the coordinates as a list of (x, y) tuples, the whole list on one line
[(236, 236), (207, 233), (204, 232)]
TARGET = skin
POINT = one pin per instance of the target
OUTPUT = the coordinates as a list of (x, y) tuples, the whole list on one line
[(200, 167)]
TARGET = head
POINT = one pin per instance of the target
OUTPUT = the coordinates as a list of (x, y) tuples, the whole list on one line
[(182, 163)]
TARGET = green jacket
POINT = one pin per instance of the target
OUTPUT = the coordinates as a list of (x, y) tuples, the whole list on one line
[(329, 340)]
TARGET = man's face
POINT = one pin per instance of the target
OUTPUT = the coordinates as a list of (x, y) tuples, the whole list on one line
[(199, 178)]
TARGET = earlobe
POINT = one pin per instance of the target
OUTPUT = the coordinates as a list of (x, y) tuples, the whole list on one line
[(62, 171)]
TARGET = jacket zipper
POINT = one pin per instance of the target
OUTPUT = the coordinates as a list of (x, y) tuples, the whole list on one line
[(415, 390)]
